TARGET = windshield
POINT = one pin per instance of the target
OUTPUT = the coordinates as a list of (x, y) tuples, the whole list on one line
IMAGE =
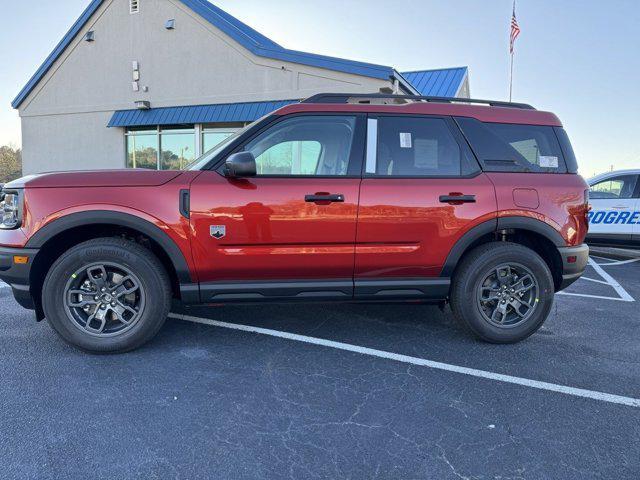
[(200, 163)]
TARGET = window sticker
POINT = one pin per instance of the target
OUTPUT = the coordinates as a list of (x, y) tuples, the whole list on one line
[(405, 140), (548, 162), (426, 153)]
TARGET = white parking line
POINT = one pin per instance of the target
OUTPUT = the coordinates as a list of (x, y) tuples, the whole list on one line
[(608, 280), (621, 262), (552, 387)]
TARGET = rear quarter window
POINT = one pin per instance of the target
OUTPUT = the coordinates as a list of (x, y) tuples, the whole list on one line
[(502, 147)]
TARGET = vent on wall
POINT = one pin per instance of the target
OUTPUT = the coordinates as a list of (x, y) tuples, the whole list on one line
[(134, 6)]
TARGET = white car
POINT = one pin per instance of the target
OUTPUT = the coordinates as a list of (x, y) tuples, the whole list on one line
[(614, 219)]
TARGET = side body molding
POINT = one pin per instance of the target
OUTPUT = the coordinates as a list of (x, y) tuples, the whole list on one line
[(101, 217), (492, 226)]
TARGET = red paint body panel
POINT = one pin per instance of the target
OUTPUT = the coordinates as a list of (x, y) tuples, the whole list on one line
[(561, 201), (102, 178), (404, 230), (157, 205), (482, 113), (271, 232)]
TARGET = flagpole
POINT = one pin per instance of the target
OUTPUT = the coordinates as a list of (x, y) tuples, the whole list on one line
[(511, 79), (512, 53)]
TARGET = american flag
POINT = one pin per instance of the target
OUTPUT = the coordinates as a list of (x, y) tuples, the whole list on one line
[(515, 29)]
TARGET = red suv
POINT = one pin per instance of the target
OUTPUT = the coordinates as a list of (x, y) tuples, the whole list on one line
[(363, 198)]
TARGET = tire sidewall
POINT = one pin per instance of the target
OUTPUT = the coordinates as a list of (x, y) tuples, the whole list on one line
[(155, 309)]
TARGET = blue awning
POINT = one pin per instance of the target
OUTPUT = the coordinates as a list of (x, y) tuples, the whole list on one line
[(445, 82), (221, 113)]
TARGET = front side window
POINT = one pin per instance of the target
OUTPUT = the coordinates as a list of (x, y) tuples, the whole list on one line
[(615, 188), (417, 147), (503, 147), (305, 145)]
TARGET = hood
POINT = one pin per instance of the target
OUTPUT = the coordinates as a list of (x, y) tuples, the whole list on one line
[(98, 178)]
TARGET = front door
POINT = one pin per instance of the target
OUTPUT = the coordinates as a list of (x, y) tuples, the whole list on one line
[(614, 214), (423, 190), (290, 231)]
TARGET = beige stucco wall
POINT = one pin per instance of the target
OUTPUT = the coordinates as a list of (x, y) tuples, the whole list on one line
[(64, 119)]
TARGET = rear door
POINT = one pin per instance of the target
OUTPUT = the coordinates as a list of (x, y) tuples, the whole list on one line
[(423, 189), (290, 231), (614, 215)]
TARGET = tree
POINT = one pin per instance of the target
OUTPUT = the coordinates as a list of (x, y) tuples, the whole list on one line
[(10, 164)]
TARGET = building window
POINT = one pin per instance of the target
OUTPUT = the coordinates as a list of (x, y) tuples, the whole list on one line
[(134, 6), (213, 135), (178, 147), (142, 149), (167, 148), (174, 147)]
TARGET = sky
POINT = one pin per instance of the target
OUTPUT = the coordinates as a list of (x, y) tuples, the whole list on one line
[(578, 59)]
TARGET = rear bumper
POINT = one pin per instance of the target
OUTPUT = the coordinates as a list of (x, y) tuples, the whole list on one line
[(574, 263), (16, 275)]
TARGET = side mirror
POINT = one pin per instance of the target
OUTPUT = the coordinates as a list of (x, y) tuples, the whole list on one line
[(241, 164)]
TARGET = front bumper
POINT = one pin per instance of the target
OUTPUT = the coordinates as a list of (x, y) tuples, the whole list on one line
[(574, 263), (16, 275)]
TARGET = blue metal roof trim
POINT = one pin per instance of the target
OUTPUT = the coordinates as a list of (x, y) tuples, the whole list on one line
[(229, 24), (445, 82), (221, 113), (249, 38), (260, 45)]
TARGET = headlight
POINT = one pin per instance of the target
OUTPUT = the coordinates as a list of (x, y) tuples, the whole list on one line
[(11, 210)]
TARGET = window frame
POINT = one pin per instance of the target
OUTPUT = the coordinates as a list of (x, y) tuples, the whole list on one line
[(356, 158), (451, 125)]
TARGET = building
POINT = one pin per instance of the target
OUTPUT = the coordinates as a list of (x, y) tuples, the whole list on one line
[(155, 83)]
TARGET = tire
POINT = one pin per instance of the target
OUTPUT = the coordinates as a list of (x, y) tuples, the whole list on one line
[(80, 296), (478, 291)]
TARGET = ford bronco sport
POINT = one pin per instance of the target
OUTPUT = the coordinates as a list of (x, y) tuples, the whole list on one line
[(363, 198)]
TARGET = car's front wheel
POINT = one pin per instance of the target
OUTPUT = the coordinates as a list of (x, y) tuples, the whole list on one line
[(503, 292), (107, 295)]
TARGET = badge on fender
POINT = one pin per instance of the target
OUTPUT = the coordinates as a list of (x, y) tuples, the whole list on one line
[(218, 231)]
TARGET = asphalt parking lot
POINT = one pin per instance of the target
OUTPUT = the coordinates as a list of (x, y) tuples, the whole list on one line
[(340, 391)]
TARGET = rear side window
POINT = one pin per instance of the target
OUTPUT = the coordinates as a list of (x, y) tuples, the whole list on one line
[(419, 147), (503, 147)]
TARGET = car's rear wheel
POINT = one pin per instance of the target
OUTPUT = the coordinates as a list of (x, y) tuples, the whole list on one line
[(107, 295), (503, 292)]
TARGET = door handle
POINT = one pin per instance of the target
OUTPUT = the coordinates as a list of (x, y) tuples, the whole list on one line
[(324, 198), (457, 199)]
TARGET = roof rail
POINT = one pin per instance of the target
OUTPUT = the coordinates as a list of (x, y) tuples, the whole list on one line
[(345, 97)]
